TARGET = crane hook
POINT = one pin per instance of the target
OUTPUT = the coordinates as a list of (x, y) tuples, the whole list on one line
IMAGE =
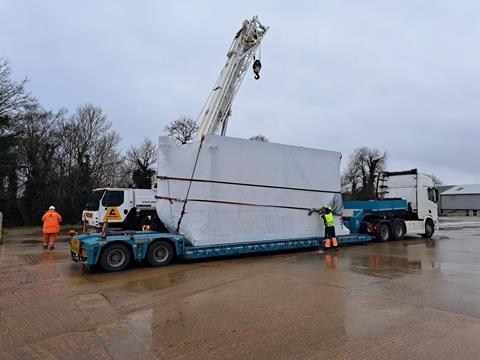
[(257, 65)]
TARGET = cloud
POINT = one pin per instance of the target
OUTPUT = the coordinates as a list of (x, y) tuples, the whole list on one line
[(402, 76)]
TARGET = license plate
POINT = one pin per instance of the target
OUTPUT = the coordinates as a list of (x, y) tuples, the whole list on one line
[(75, 246), (88, 215)]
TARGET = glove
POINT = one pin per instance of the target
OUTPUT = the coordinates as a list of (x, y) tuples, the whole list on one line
[(311, 211)]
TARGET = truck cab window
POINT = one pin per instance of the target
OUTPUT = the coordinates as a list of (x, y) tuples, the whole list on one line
[(94, 200), (113, 198), (431, 195)]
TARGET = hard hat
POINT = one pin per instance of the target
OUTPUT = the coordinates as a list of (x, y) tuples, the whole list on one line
[(51, 208)]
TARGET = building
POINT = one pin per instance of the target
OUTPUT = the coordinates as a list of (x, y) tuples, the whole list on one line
[(459, 200)]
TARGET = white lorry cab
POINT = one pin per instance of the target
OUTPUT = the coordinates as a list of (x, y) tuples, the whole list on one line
[(127, 209)]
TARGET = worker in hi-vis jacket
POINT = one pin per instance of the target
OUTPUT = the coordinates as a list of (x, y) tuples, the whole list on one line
[(51, 227), (326, 213)]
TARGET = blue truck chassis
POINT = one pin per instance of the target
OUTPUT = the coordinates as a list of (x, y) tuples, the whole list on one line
[(93, 249)]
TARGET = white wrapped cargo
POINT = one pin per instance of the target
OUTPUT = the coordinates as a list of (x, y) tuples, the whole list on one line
[(245, 191)]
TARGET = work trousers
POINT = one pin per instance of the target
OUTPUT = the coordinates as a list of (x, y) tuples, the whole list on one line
[(49, 239), (330, 237)]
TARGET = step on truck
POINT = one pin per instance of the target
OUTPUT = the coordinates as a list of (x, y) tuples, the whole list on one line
[(405, 204)]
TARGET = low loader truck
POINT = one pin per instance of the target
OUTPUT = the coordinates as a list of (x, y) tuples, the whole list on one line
[(405, 204)]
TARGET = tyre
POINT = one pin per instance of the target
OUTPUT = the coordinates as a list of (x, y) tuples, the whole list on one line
[(383, 232), (160, 253), (115, 257), (429, 229), (399, 229)]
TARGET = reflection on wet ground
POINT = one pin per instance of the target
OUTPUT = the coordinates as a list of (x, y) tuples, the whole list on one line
[(384, 265), (416, 298)]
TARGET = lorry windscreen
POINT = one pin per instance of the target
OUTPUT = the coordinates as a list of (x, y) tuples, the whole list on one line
[(94, 200), (113, 198)]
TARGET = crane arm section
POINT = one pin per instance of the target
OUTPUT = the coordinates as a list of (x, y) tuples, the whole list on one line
[(239, 57)]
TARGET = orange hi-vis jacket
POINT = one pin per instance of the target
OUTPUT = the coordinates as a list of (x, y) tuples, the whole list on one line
[(51, 222)]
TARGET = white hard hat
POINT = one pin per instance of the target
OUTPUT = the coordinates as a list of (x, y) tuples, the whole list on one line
[(51, 208)]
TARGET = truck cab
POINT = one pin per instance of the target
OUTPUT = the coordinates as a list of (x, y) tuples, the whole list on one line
[(405, 204), (419, 192), (128, 209)]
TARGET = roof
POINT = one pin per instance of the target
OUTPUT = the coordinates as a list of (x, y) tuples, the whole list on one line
[(472, 189), (442, 188)]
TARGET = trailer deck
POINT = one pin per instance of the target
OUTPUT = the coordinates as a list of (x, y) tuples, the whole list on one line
[(86, 248)]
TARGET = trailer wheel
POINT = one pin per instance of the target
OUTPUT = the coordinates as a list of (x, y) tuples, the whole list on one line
[(115, 257), (383, 232), (429, 229), (160, 253), (399, 229)]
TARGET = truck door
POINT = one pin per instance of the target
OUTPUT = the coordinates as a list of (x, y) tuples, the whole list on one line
[(114, 206), (427, 198)]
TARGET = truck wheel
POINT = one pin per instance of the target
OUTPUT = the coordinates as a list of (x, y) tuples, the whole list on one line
[(115, 257), (160, 253), (383, 232), (429, 229), (398, 229)]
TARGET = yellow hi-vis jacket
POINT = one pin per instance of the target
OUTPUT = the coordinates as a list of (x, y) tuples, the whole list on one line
[(328, 219)]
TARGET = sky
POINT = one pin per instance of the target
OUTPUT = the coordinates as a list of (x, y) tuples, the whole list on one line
[(402, 76)]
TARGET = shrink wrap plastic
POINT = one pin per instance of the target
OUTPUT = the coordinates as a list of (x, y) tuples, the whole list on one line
[(246, 191)]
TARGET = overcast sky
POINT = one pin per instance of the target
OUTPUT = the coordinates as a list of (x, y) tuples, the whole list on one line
[(399, 75)]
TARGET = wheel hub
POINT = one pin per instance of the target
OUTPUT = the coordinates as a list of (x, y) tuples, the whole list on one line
[(161, 254), (116, 258)]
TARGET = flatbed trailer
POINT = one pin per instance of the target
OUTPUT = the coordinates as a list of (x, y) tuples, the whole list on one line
[(114, 251)]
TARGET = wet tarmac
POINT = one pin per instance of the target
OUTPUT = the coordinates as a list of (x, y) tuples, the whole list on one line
[(412, 299)]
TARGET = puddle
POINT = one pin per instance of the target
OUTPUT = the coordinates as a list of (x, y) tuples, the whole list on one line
[(449, 228), (384, 266), (156, 283)]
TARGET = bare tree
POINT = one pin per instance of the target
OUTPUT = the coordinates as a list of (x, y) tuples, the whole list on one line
[(13, 95), (48, 157), (260, 138), (436, 180), (87, 137), (36, 150), (140, 163), (183, 129), (88, 156), (362, 170)]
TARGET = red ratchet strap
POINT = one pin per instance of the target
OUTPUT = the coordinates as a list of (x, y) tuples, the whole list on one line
[(172, 199), (245, 184)]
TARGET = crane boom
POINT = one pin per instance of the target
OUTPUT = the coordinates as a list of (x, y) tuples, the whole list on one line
[(239, 57)]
